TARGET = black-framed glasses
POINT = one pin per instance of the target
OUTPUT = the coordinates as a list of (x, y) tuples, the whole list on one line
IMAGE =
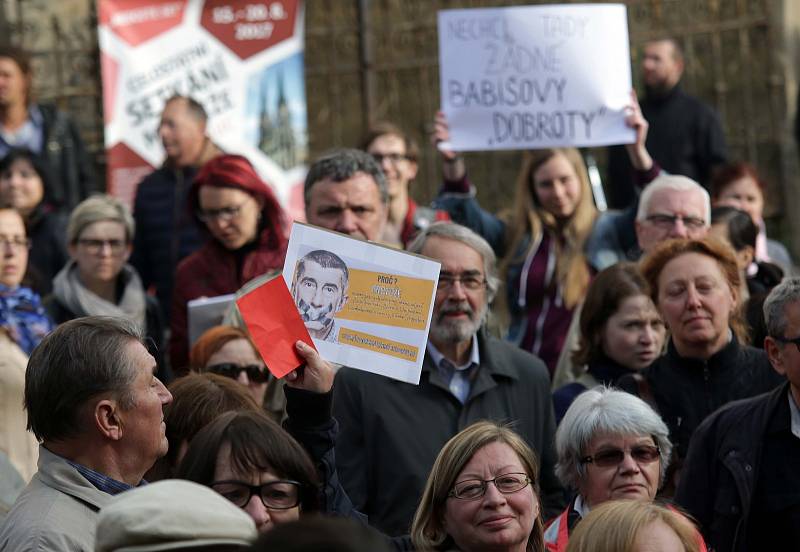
[(666, 222), (255, 373), (469, 280), (95, 246), (276, 495), (473, 489), (17, 243), (394, 158), (225, 214), (606, 458), (796, 341)]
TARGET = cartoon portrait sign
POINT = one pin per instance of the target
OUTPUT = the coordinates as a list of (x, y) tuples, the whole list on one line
[(365, 305)]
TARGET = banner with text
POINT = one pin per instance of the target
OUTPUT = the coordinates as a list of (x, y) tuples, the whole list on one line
[(241, 59), (535, 76)]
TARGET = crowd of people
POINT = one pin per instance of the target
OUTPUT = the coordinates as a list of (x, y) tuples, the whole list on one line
[(592, 380)]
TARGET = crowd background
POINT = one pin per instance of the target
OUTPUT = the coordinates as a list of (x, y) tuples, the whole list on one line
[(363, 59)]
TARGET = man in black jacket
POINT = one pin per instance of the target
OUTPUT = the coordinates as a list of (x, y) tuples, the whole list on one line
[(44, 130), (740, 480), (685, 134), (165, 233), (391, 431)]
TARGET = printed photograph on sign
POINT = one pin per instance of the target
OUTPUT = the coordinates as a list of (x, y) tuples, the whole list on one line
[(365, 305), (532, 77)]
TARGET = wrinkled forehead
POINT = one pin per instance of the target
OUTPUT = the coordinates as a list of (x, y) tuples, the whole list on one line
[(322, 275), (687, 203)]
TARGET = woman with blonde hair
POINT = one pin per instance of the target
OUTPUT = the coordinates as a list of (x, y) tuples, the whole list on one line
[(635, 526), (482, 494), (543, 244)]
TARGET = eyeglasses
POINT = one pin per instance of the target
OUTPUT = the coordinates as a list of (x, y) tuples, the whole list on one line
[(796, 341), (96, 246), (394, 158), (225, 214), (255, 373), (276, 495), (473, 489), (468, 280), (16, 243), (666, 222), (642, 454)]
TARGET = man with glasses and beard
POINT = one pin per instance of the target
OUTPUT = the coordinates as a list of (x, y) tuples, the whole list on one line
[(392, 431), (319, 288)]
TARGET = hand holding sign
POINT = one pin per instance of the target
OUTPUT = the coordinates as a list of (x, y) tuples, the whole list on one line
[(535, 76)]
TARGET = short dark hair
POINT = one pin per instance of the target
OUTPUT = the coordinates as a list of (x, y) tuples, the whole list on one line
[(257, 444), (385, 128), (325, 259), (603, 298), (742, 231), (80, 359), (197, 400), (21, 57), (342, 164), (194, 107), (316, 532), (39, 165)]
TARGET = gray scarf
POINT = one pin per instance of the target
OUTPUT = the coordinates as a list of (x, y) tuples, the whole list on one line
[(79, 300)]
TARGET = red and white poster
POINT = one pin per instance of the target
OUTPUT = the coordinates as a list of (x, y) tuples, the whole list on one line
[(241, 59)]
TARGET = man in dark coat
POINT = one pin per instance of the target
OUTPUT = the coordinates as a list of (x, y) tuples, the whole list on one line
[(685, 134), (740, 479), (391, 432), (44, 130), (165, 232)]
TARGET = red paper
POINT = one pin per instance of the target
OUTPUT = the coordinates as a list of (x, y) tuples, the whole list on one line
[(275, 325)]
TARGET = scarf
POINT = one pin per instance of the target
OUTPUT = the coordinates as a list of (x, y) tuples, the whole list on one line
[(80, 301), (22, 315)]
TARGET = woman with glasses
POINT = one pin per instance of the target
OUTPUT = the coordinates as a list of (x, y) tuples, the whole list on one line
[(695, 285), (98, 281), (23, 324), (245, 238), (25, 185), (611, 445), (229, 351), (482, 494)]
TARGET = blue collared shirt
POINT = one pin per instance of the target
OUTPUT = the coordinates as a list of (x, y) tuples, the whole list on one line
[(30, 135), (459, 378), (103, 482)]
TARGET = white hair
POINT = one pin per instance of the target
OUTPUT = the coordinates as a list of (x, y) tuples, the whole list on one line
[(675, 183), (604, 410)]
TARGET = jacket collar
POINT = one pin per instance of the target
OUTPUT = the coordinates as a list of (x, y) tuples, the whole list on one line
[(57, 473)]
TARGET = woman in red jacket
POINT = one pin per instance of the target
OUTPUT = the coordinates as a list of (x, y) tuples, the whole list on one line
[(246, 237)]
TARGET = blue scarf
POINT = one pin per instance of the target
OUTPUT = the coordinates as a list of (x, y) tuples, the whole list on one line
[(23, 317)]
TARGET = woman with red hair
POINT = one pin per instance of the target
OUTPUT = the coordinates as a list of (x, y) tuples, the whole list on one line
[(244, 225)]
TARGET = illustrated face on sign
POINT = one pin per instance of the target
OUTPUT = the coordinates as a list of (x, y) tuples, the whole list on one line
[(319, 289)]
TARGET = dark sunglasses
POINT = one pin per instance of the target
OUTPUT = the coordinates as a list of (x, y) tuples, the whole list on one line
[(642, 454), (255, 373)]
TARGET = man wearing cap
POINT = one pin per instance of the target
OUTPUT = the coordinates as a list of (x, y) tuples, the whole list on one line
[(96, 406), (173, 515)]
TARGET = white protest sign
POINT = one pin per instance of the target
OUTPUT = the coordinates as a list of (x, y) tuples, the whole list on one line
[(365, 305), (535, 76)]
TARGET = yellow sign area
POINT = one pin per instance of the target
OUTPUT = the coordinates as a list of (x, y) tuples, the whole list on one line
[(380, 298), (377, 344)]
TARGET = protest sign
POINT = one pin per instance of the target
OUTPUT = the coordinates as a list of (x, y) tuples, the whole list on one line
[(365, 305), (275, 325), (241, 59), (535, 76)]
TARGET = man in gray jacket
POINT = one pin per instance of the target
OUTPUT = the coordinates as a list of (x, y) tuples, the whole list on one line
[(391, 431), (96, 406)]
